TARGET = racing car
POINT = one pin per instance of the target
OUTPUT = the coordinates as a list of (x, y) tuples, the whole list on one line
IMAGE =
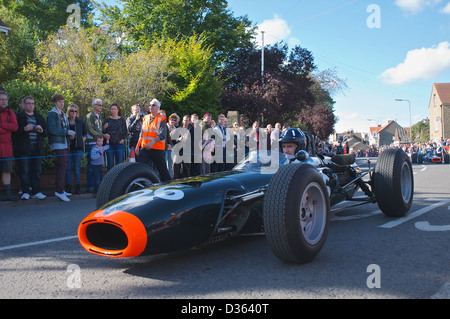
[(286, 198), (432, 156)]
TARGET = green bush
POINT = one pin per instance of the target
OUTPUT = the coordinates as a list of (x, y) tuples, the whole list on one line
[(41, 92)]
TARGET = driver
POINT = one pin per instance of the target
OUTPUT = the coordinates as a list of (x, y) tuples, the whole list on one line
[(292, 141)]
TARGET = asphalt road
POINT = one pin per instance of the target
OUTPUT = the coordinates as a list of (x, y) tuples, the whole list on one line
[(366, 256)]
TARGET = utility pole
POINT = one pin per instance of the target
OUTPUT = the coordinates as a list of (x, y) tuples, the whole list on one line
[(262, 58)]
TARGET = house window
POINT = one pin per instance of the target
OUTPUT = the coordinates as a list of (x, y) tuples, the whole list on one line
[(435, 100), (437, 123)]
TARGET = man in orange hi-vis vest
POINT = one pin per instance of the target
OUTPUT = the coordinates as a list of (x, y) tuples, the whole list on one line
[(151, 145)]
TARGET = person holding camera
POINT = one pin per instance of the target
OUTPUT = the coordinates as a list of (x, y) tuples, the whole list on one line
[(29, 149)]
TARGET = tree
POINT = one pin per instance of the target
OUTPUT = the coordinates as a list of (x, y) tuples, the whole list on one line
[(48, 16), (421, 131), (76, 59), (17, 47), (266, 102), (319, 120), (149, 21), (327, 83), (196, 87), (138, 77), (279, 96), (89, 63)]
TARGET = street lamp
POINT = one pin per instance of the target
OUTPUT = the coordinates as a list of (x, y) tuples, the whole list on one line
[(410, 124)]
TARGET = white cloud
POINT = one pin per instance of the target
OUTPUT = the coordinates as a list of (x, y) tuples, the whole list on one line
[(424, 63), (446, 9), (275, 30), (415, 6)]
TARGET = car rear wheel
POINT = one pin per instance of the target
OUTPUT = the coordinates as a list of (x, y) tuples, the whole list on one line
[(420, 159), (123, 179), (446, 158), (394, 183), (296, 213)]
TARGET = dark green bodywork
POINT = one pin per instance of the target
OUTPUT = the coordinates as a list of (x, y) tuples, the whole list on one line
[(186, 212)]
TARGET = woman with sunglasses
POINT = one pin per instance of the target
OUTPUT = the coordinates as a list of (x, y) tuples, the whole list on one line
[(75, 149)]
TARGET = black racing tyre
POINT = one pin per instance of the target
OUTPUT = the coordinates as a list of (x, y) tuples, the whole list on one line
[(420, 159), (394, 183), (446, 158), (125, 178), (296, 213)]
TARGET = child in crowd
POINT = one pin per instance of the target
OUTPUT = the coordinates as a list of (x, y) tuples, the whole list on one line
[(97, 161)]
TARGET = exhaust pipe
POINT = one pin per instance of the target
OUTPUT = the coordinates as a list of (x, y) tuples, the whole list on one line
[(116, 234)]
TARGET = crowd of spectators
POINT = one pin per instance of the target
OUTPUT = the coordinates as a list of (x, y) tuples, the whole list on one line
[(439, 147), (175, 146)]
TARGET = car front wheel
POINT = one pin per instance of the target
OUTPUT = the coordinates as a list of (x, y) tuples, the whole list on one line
[(123, 179), (296, 213)]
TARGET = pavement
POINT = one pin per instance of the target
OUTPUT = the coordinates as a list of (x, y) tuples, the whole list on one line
[(50, 198)]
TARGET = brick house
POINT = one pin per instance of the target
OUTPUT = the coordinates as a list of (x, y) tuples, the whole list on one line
[(439, 109), (392, 134)]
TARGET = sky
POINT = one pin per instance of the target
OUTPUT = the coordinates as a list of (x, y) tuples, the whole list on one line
[(383, 50)]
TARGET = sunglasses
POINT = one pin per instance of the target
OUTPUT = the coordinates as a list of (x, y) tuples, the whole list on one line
[(73, 111)]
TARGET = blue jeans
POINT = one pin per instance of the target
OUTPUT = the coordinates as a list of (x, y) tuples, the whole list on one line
[(117, 152), (89, 179), (30, 169), (97, 176), (74, 165), (61, 167)]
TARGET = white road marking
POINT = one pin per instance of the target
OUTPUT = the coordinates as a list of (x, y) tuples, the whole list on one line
[(425, 226), (413, 215), (424, 168), (42, 242), (420, 225)]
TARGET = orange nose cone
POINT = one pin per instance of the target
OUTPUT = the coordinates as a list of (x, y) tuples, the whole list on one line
[(117, 234)]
